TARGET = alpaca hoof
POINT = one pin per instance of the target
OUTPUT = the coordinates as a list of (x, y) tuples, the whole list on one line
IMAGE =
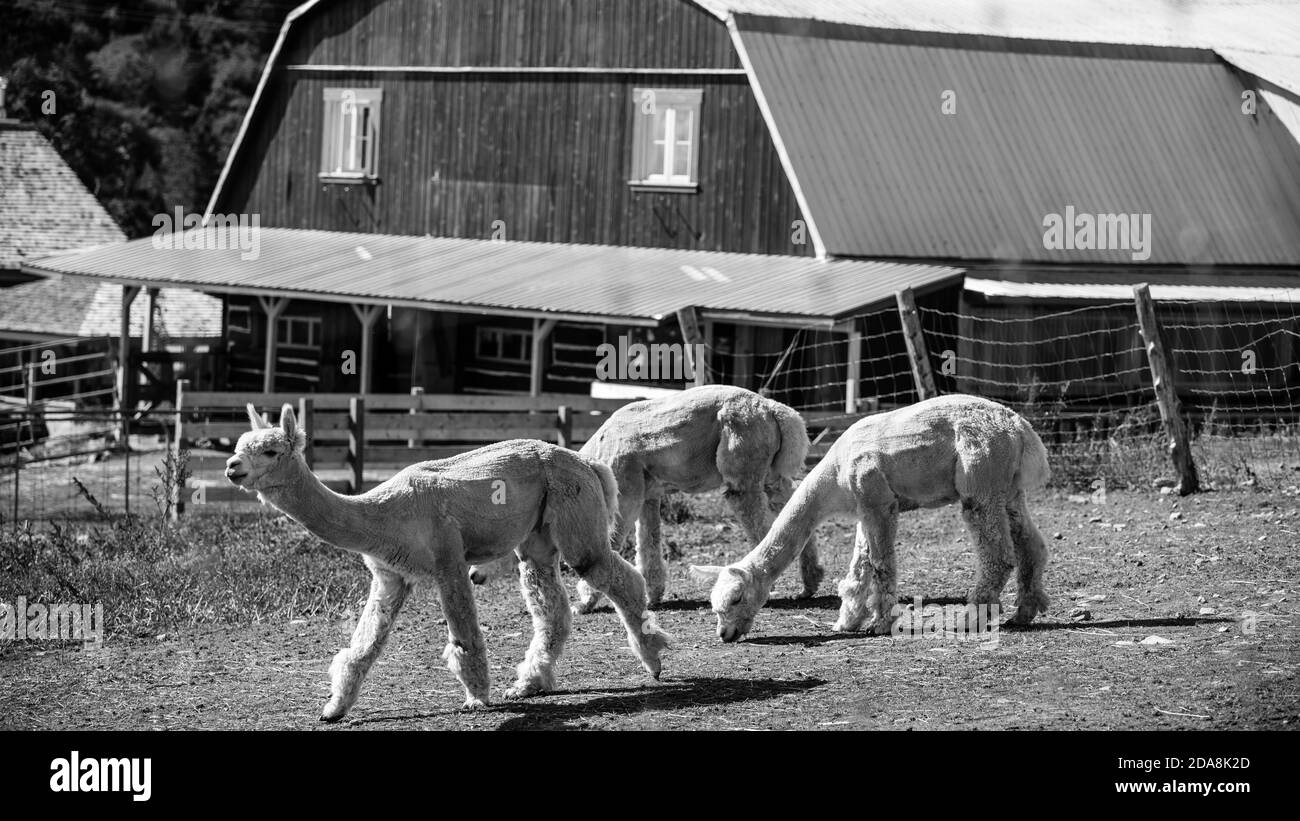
[(881, 627), (332, 712), (472, 703), (524, 689), (811, 582), (582, 608)]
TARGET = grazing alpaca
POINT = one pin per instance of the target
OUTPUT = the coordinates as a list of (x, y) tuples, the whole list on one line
[(933, 453), (432, 519), (695, 441)]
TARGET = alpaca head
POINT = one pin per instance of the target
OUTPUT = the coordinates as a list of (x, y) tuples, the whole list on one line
[(264, 456), (736, 598)]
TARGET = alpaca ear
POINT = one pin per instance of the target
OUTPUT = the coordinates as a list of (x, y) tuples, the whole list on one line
[(706, 573), (289, 424), (256, 418)]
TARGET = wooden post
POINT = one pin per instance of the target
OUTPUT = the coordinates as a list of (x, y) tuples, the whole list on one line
[(368, 315), (273, 308), (306, 407), (357, 443), (541, 330), (417, 404), (922, 375), (853, 378), (1164, 380), (744, 357), (124, 362), (564, 427), (178, 424), (693, 335)]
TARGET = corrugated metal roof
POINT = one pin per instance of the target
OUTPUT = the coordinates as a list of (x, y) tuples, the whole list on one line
[(592, 282), (1038, 127), (1118, 293), (44, 208), (69, 307), (1266, 33)]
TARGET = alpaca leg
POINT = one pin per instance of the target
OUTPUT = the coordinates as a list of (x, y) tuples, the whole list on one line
[(649, 551), (548, 604), (388, 591), (870, 588), (611, 574), (631, 493), (1031, 559), (810, 566), (990, 530), (466, 652)]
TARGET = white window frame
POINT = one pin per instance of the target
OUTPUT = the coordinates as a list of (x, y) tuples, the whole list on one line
[(350, 137), (676, 103), (498, 335)]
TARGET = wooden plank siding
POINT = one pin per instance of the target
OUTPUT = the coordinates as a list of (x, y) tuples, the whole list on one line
[(541, 157), (559, 33)]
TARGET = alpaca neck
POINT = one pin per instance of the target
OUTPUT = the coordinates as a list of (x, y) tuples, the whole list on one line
[(793, 527), (348, 522)]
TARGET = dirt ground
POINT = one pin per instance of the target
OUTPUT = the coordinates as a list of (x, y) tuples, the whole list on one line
[(1216, 583)]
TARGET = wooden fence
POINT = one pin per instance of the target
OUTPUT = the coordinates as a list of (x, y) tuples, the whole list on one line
[(350, 435)]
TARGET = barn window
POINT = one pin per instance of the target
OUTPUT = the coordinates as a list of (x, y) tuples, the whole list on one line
[(351, 135), (503, 345), (239, 319), (665, 138), (298, 331)]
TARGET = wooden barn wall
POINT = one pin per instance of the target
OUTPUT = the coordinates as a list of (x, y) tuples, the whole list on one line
[(547, 33), (515, 156)]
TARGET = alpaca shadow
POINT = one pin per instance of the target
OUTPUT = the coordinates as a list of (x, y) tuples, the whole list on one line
[(833, 602), (541, 714), (1182, 621), (820, 639)]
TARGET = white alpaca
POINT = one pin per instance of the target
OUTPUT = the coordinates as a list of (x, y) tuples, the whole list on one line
[(933, 453), (695, 441), (432, 519)]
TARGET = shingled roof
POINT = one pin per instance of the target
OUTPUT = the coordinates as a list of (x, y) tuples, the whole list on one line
[(44, 208)]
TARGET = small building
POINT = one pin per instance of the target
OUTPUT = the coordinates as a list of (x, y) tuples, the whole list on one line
[(59, 335)]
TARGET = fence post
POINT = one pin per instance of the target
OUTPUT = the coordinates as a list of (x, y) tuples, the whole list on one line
[(1163, 379), (853, 374), (178, 489), (916, 352), (357, 442), (693, 342), (564, 427), (417, 404), (306, 406)]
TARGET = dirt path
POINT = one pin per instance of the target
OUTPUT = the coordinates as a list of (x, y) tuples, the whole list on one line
[(1137, 573)]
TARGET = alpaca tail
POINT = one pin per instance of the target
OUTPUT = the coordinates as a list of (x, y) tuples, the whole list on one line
[(609, 487), (789, 459), (1034, 470)]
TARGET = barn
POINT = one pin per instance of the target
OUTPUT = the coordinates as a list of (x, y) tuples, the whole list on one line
[(474, 197)]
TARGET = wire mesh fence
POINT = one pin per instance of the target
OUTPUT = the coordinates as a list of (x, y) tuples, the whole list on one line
[(1081, 375)]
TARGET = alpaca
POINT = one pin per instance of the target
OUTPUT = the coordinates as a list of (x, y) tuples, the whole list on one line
[(430, 520), (943, 450), (696, 441)]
